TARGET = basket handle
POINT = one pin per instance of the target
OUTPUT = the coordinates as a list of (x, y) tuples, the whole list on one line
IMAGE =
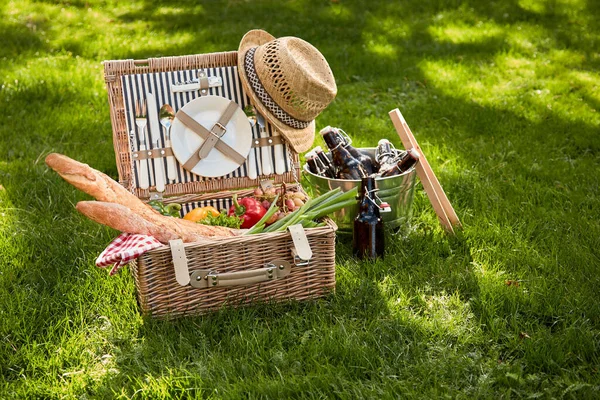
[(204, 278), (272, 271)]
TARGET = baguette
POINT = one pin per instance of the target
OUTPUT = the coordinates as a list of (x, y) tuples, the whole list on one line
[(123, 219), (105, 189)]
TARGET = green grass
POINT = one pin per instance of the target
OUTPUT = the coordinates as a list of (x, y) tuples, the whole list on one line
[(504, 99)]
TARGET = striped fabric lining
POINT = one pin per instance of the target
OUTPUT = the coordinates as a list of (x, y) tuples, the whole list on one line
[(159, 83), (220, 204)]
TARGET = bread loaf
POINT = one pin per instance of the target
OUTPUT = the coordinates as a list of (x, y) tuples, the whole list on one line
[(143, 218), (123, 219)]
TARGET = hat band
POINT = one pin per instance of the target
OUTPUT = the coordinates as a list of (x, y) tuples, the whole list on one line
[(265, 98)]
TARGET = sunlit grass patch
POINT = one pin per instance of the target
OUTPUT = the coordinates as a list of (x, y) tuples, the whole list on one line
[(463, 33), (503, 99)]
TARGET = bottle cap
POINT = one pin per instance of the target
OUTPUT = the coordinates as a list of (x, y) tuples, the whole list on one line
[(414, 153), (317, 149), (384, 207), (382, 141), (325, 130)]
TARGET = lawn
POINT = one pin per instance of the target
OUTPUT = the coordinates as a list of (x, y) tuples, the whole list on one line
[(504, 98)]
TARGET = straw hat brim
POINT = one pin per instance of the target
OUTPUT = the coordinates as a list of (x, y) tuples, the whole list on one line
[(300, 139)]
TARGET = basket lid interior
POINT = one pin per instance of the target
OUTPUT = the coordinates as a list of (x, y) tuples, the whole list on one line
[(130, 80)]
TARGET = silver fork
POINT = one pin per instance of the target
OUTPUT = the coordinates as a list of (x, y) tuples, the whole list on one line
[(140, 121)]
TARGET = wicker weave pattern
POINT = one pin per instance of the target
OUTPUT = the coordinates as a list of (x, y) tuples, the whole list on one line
[(158, 292), (160, 295), (113, 70)]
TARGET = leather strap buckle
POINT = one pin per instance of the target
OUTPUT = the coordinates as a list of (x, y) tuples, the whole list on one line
[(221, 127)]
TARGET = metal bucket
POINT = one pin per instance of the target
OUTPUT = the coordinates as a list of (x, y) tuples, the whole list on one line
[(397, 190)]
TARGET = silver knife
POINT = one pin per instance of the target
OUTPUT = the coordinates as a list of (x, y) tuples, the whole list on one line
[(159, 168)]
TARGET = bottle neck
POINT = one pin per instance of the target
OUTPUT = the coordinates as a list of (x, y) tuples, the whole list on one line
[(312, 164), (367, 196), (333, 140), (407, 161), (384, 153)]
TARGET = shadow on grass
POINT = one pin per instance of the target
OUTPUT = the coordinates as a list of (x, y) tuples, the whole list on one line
[(380, 310)]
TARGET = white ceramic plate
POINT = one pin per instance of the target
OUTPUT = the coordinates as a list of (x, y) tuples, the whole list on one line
[(206, 111)]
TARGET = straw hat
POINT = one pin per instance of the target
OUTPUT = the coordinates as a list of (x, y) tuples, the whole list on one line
[(288, 81)]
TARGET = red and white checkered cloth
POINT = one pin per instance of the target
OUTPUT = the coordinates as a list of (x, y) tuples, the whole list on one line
[(124, 248)]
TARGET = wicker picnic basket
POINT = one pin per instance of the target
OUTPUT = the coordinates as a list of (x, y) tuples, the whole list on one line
[(233, 271)]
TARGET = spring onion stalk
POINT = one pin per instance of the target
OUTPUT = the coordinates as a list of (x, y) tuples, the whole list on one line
[(331, 209), (292, 221), (316, 208), (260, 225), (277, 225), (326, 196), (283, 221), (300, 212), (307, 223), (340, 198)]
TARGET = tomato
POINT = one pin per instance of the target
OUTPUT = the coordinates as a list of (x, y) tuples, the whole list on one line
[(198, 214)]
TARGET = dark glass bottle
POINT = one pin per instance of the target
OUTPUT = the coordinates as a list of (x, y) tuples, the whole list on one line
[(347, 166), (311, 161), (410, 158), (328, 167), (368, 235), (384, 154), (364, 159)]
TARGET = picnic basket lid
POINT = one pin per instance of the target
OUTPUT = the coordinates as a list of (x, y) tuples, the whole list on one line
[(126, 79)]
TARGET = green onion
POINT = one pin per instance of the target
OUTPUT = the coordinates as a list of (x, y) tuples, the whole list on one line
[(324, 197), (339, 198), (331, 209), (313, 209)]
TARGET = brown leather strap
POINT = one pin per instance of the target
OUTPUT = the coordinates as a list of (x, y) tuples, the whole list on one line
[(218, 130), (182, 275), (268, 141), (276, 269), (153, 153), (204, 133)]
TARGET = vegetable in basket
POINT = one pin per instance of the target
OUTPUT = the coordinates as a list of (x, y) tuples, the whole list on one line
[(222, 219), (199, 213), (170, 210), (309, 213), (249, 209)]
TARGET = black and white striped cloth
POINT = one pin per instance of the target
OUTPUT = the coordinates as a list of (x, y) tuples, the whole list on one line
[(135, 88), (220, 204)]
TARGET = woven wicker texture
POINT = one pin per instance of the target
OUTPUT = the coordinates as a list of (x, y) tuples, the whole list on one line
[(115, 69), (161, 296), (158, 292), (295, 75)]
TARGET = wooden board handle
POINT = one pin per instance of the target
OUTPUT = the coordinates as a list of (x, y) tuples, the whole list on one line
[(434, 190)]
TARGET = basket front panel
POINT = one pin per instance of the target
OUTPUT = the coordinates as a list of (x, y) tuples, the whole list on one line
[(160, 294)]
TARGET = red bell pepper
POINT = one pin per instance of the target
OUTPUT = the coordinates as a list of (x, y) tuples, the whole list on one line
[(248, 209)]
